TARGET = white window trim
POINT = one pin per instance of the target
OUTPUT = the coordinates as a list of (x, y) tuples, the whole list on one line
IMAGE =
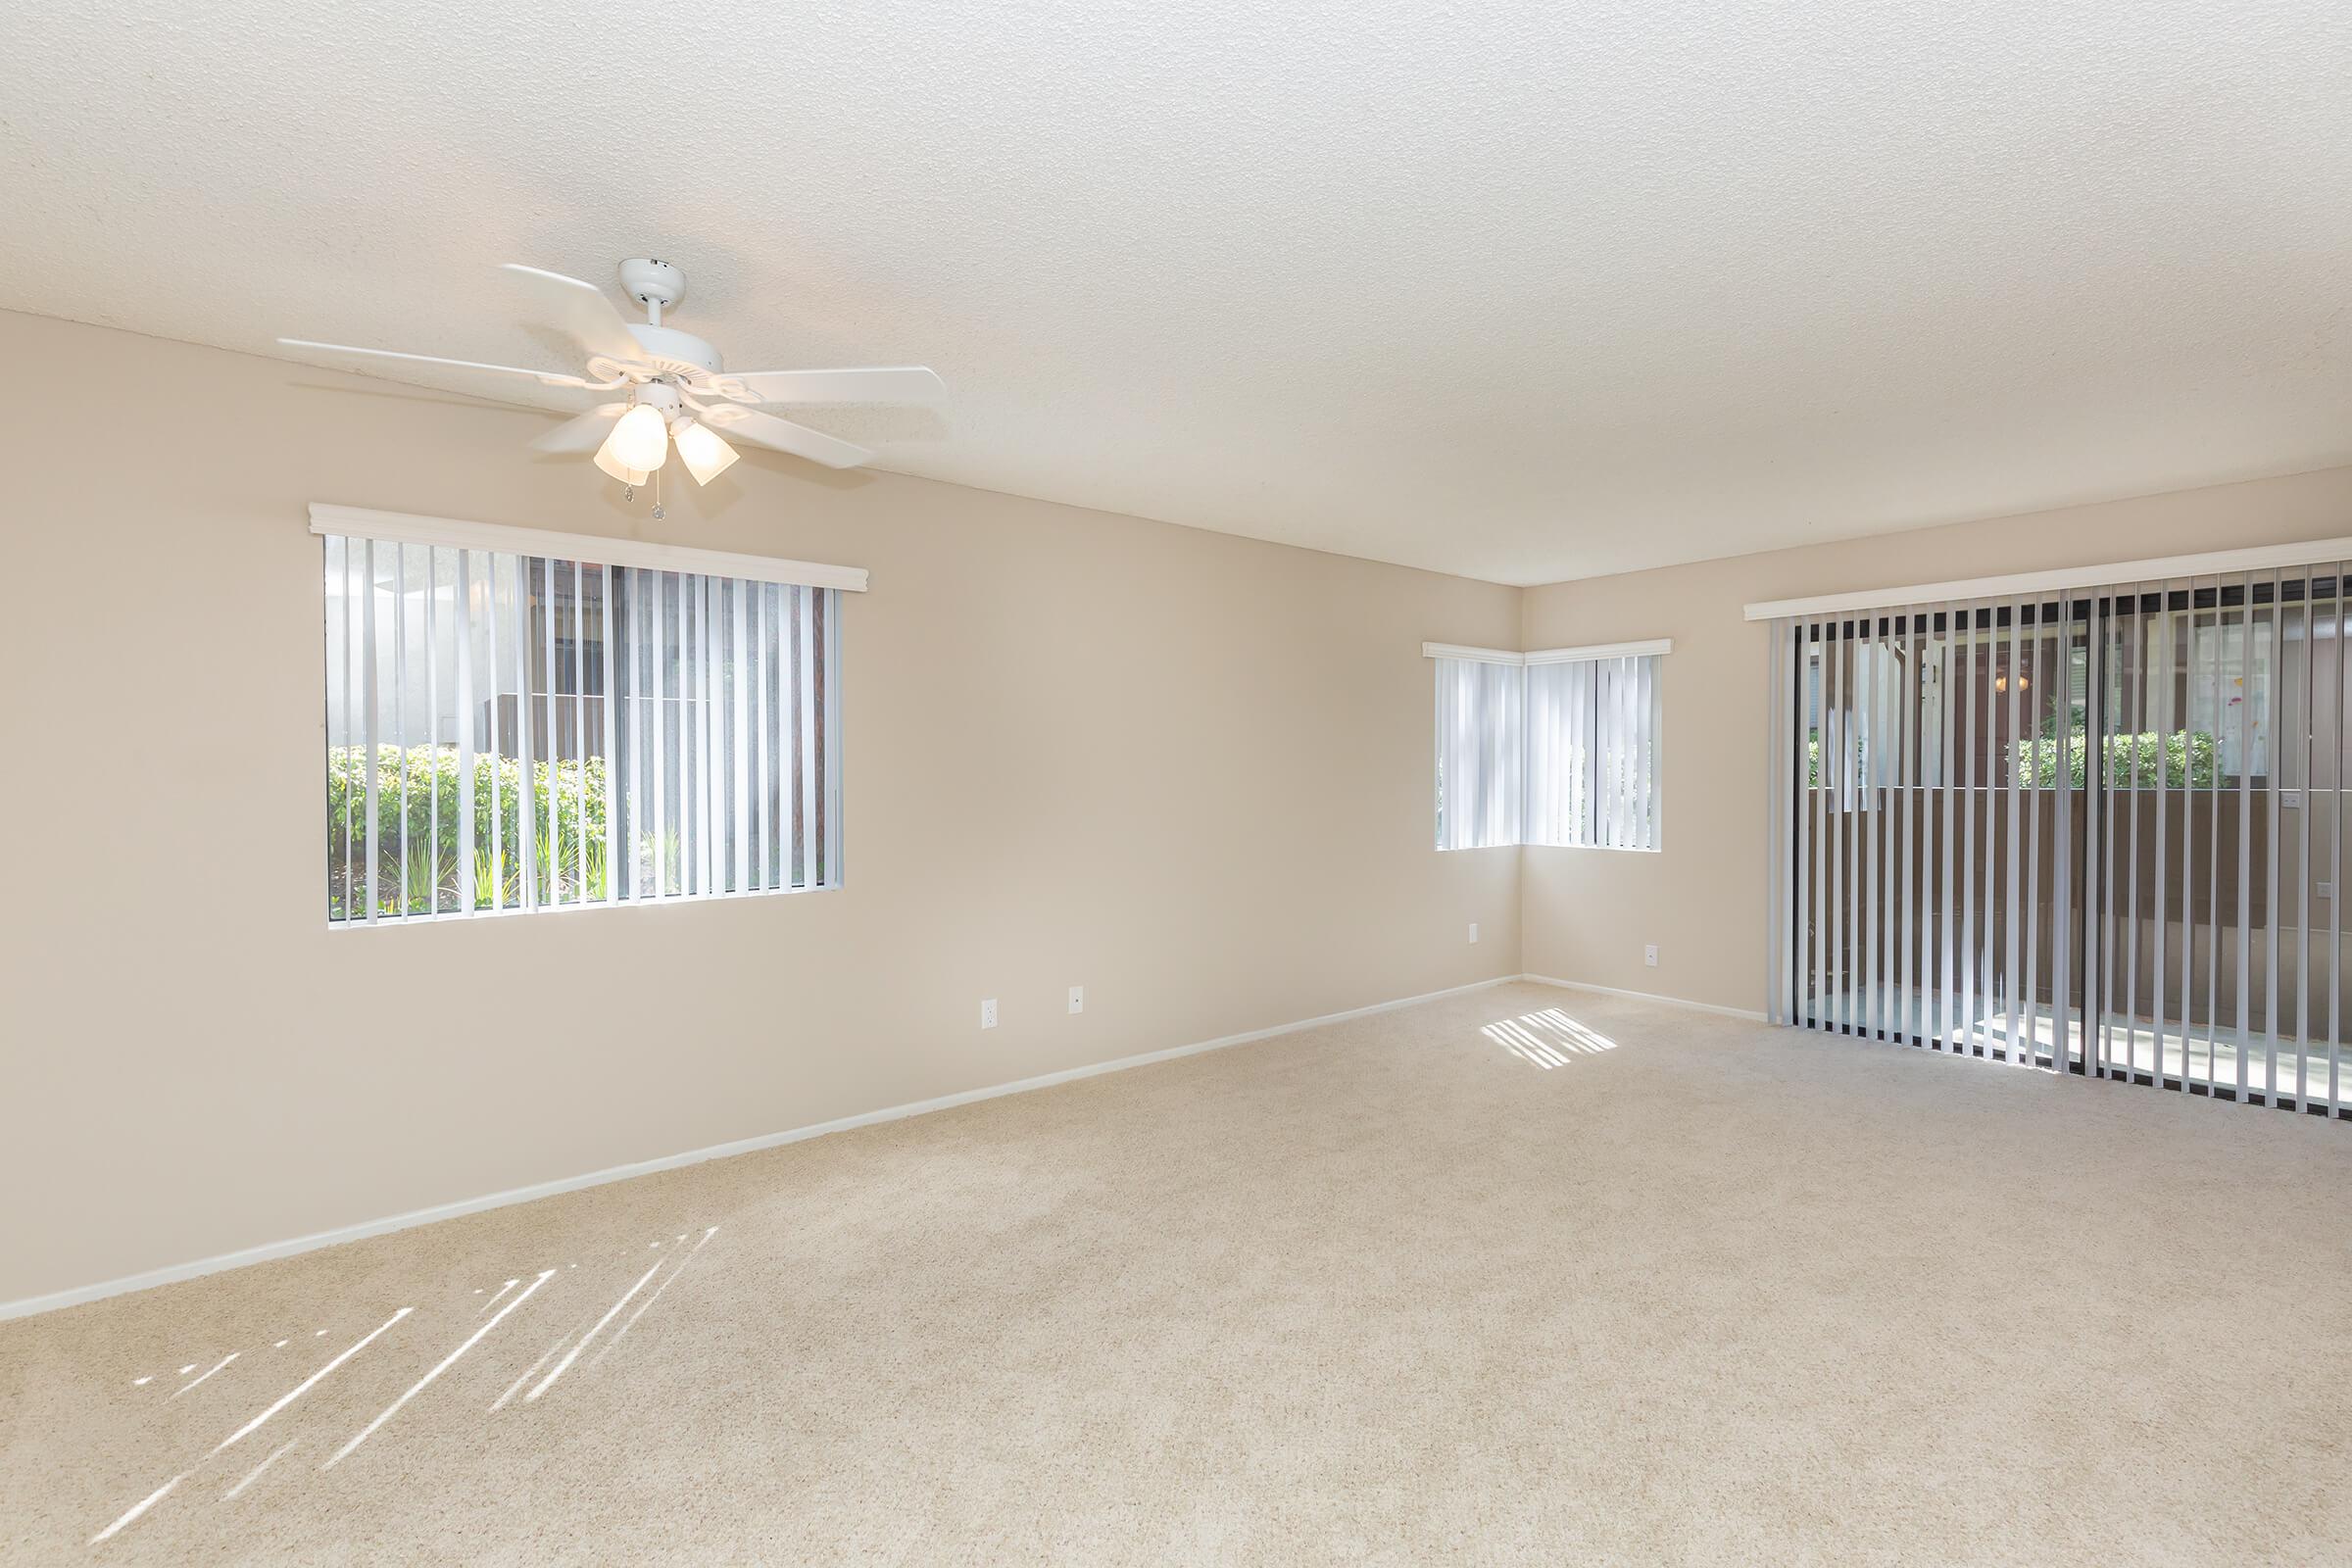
[(1548, 655), (458, 534), (2253, 557)]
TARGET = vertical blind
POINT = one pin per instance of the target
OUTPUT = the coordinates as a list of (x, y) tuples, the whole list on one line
[(1481, 705), (1592, 729), (2097, 831), (511, 732), (1551, 749)]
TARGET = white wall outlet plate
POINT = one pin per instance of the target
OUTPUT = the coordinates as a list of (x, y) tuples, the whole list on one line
[(1474, 931), (1649, 955), (988, 1014), (1077, 999)]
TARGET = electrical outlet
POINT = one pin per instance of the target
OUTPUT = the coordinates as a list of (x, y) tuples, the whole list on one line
[(1474, 932), (988, 1014), (1649, 955), (1077, 999)]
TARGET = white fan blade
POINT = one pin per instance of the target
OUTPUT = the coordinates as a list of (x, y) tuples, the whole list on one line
[(782, 434), (904, 383), (583, 434), (543, 378), (578, 310)]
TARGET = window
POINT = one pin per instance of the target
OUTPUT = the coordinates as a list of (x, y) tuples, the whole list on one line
[(510, 731), (1480, 764), (1552, 748), (1592, 751)]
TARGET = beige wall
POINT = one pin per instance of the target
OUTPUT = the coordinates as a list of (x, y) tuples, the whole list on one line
[(1188, 771), (1586, 914)]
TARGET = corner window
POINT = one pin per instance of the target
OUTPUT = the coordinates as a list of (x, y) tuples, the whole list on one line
[(1552, 748)]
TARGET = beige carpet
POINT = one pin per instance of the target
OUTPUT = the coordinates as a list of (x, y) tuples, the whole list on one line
[(1527, 1275)]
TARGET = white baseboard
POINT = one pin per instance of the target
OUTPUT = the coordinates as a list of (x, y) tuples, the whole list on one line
[(1749, 1013), (270, 1250)]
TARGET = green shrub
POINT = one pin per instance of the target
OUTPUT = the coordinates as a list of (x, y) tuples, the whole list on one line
[(2185, 759), (422, 787)]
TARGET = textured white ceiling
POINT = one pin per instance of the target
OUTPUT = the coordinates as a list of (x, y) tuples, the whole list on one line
[(1522, 291)]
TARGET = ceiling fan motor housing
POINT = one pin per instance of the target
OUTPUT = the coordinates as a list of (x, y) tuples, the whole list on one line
[(658, 285), (669, 343)]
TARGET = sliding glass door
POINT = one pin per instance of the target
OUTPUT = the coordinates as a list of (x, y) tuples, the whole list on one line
[(2097, 832)]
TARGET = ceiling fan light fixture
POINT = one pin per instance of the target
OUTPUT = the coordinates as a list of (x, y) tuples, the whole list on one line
[(705, 456), (619, 470), (639, 440)]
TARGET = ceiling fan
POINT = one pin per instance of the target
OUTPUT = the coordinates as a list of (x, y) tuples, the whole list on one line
[(671, 386)]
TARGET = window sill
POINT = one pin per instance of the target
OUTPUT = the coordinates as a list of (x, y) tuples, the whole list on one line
[(459, 916)]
